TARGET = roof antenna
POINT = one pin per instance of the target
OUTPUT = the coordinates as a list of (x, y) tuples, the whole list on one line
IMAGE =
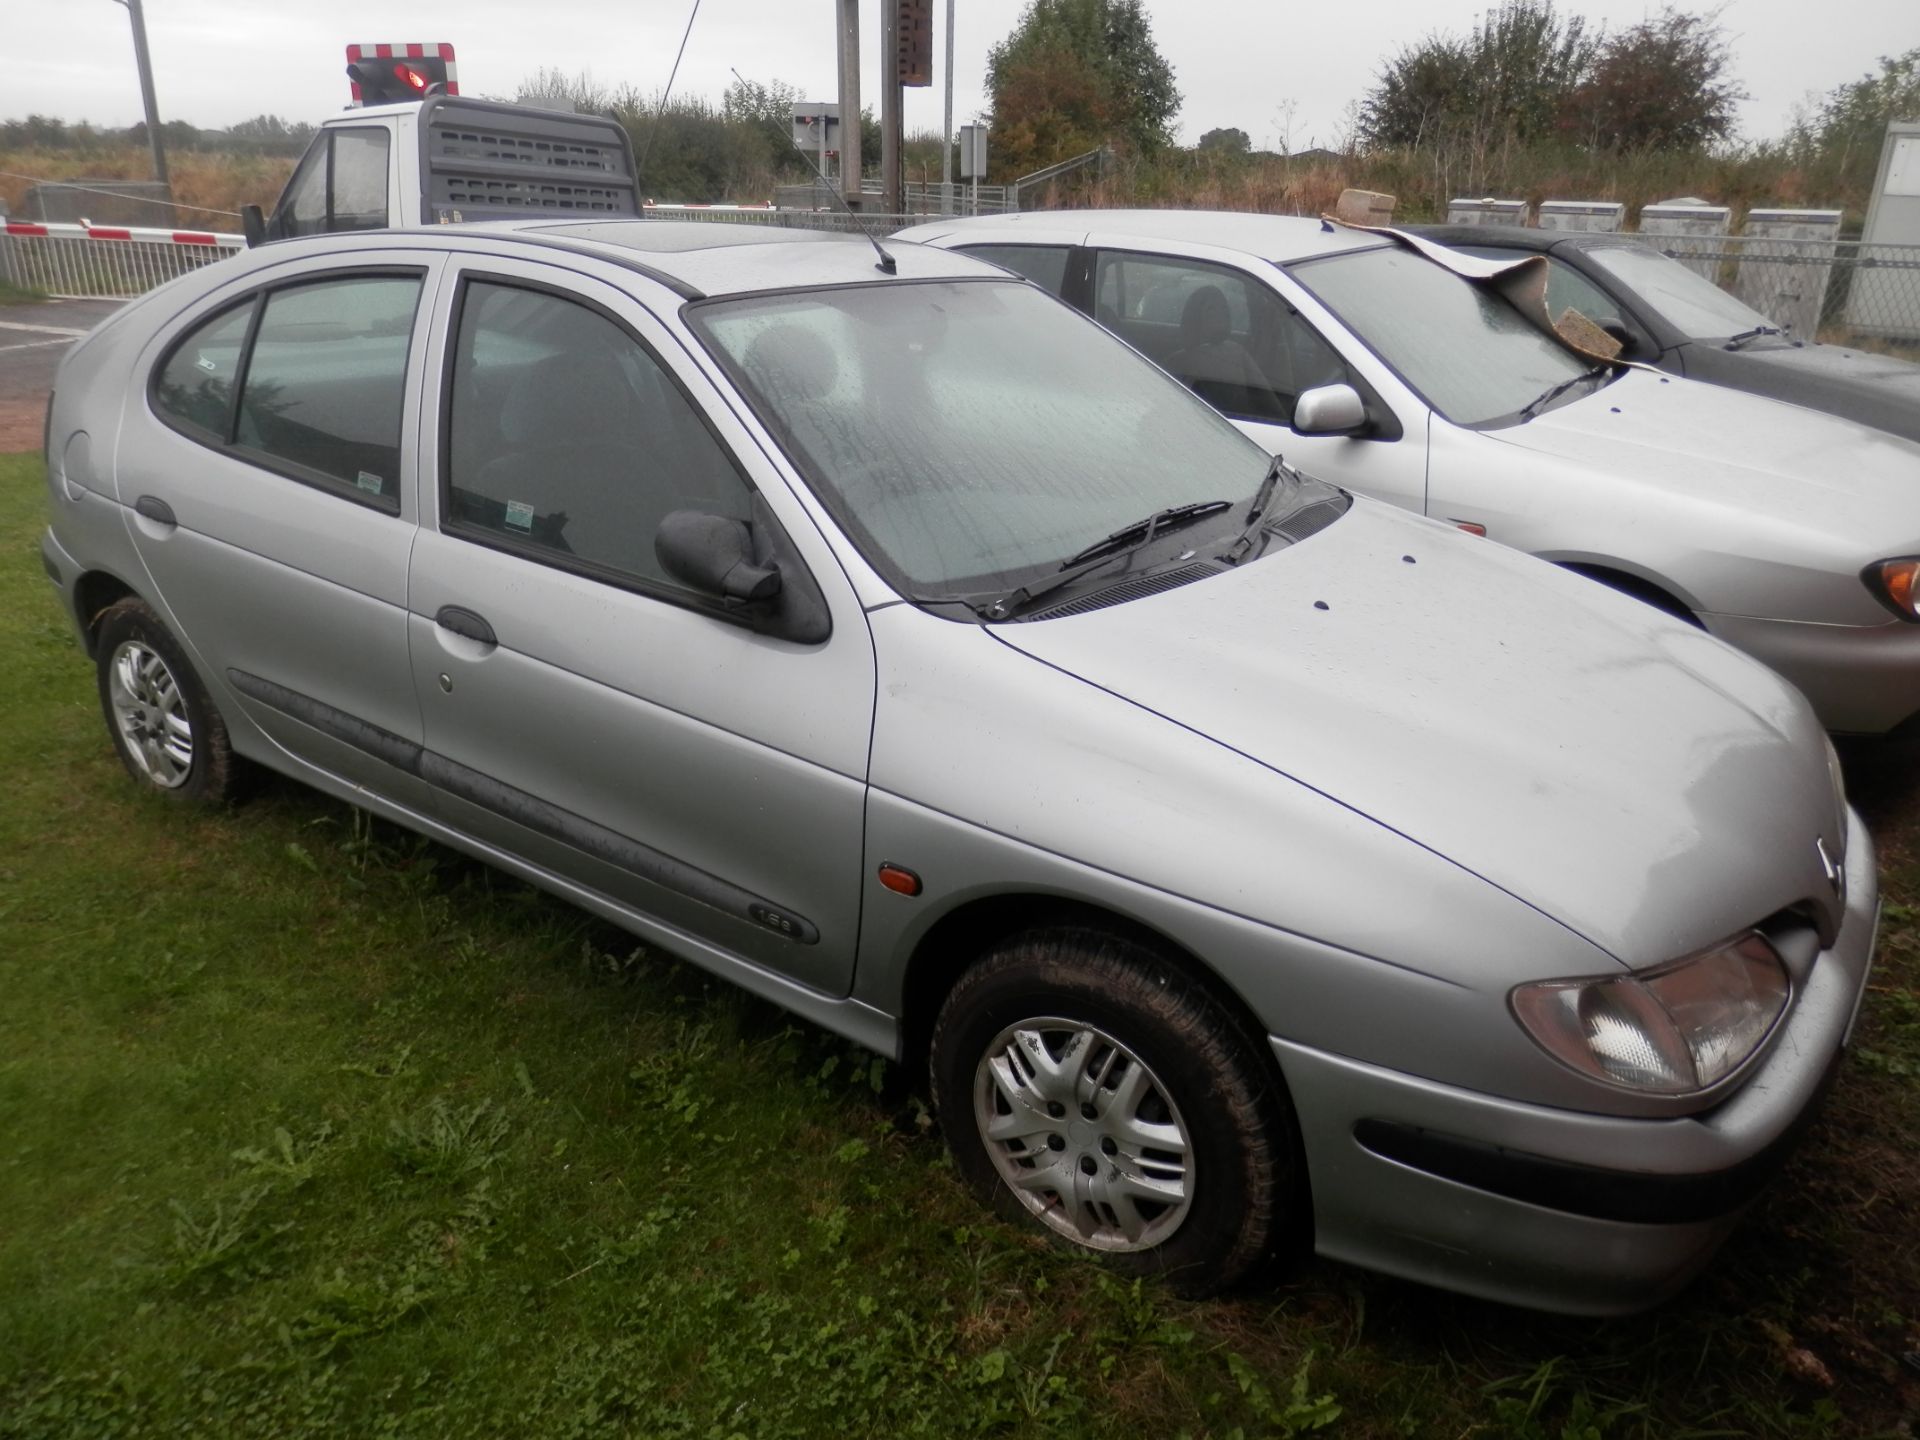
[(885, 265)]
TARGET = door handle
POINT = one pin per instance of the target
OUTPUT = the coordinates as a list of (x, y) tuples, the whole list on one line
[(466, 624), (155, 509)]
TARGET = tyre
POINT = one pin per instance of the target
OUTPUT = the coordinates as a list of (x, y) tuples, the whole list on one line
[(161, 719), (1087, 1084)]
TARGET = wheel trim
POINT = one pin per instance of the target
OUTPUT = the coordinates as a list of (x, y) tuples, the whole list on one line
[(150, 713), (1084, 1134)]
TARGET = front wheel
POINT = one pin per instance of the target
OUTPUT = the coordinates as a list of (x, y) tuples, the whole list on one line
[(1086, 1083)]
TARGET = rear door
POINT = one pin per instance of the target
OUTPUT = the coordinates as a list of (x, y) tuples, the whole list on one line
[(269, 486), (585, 711)]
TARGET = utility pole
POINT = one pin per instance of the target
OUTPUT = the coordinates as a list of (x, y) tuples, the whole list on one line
[(892, 99), (146, 88), (946, 128), (850, 159)]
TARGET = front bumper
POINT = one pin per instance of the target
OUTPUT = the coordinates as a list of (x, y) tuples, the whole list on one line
[(1861, 679), (1558, 1209)]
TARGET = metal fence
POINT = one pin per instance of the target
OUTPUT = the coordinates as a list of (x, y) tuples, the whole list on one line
[(869, 221), (101, 261), (1836, 290)]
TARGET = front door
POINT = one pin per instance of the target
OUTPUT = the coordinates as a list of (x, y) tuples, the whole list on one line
[(1241, 346), (583, 709)]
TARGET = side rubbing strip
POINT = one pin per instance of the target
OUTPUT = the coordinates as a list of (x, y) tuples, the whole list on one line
[(528, 810), (396, 750), (614, 848)]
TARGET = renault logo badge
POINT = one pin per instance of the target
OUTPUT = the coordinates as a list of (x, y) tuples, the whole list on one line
[(1836, 877)]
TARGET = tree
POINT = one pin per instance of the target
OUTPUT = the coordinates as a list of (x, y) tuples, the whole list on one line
[(1507, 80), (1227, 141), (1662, 85), (1076, 74), (1851, 123)]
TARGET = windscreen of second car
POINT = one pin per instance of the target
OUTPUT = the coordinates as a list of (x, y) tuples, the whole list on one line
[(972, 435), (1464, 348), (1689, 302)]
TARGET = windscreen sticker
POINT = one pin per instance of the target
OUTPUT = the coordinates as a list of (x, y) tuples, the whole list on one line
[(519, 515), (367, 480)]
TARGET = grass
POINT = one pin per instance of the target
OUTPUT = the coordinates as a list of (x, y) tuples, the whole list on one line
[(14, 295), (315, 1128)]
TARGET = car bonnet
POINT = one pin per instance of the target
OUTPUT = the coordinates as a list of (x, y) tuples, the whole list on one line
[(1616, 769), (1767, 458)]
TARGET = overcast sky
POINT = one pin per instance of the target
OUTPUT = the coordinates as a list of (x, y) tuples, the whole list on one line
[(1238, 62)]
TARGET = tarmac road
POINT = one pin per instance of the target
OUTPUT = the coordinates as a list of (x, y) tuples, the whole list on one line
[(32, 340)]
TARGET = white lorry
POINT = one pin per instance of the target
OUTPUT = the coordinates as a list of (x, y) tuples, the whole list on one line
[(444, 159)]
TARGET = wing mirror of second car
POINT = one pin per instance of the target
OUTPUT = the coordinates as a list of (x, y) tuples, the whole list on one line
[(254, 223), (1329, 410), (714, 555)]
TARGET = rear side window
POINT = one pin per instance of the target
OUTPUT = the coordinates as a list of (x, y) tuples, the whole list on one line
[(569, 442), (327, 377), (195, 386), (1045, 265), (308, 380)]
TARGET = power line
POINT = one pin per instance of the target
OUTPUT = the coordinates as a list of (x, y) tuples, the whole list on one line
[(667, 94)]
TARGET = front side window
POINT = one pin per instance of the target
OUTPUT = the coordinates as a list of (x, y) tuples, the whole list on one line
[(1229, 338), (325, 382), (1045, 265), (1689, 302), (969, 436), (569, 441), (359, 180), (1464, 348)]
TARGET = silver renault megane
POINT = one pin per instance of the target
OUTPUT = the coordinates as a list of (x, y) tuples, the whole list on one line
[(1251, 865)]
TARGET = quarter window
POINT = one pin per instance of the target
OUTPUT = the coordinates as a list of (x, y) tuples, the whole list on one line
[(326, 380), (195, 386), (1229, 338), (568, 439)]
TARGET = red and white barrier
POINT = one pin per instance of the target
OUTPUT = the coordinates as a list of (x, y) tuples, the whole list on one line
[(85, 261)]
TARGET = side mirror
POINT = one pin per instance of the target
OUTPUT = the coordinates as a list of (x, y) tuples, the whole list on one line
[(254, 223), (714, 555), (1329, 410), (1619, 330)]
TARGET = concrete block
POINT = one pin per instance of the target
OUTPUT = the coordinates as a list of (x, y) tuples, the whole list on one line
[(1786, 262), (1486, 212), (1364, 207), (1589, 216)]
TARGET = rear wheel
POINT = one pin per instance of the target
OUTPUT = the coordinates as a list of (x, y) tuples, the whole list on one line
[(163, 724), (1087, 1084)]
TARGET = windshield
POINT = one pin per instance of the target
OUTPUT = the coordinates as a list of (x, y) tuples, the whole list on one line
[(1464, 348), (970, 436), (1686, 300)]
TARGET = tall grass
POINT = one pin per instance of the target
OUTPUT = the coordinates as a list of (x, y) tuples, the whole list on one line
[(209, 187)]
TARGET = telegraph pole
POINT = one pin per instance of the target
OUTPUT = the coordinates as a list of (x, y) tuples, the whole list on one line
[(891, 98), (946, 129), (850, 158), (142, 60)]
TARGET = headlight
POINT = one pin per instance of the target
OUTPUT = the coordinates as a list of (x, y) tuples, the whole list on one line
[(1668, 1032), (1896, 585)]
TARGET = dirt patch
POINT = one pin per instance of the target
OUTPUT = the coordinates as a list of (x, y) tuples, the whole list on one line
[(22, 422)]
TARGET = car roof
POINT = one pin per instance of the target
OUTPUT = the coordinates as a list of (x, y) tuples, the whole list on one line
[(1281, 238), (1520, 237), (696, 259)]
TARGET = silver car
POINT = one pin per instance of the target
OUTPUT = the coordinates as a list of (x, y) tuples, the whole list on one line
[(1251, 865), (1792, 534)]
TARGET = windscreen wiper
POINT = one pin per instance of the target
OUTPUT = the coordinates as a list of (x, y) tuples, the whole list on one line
[(1122, 542), (1257, 512), (1145, 529), (1734, 342), (1553, 392)]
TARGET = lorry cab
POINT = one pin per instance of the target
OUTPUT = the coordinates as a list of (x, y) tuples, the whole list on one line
[(447, 159)]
